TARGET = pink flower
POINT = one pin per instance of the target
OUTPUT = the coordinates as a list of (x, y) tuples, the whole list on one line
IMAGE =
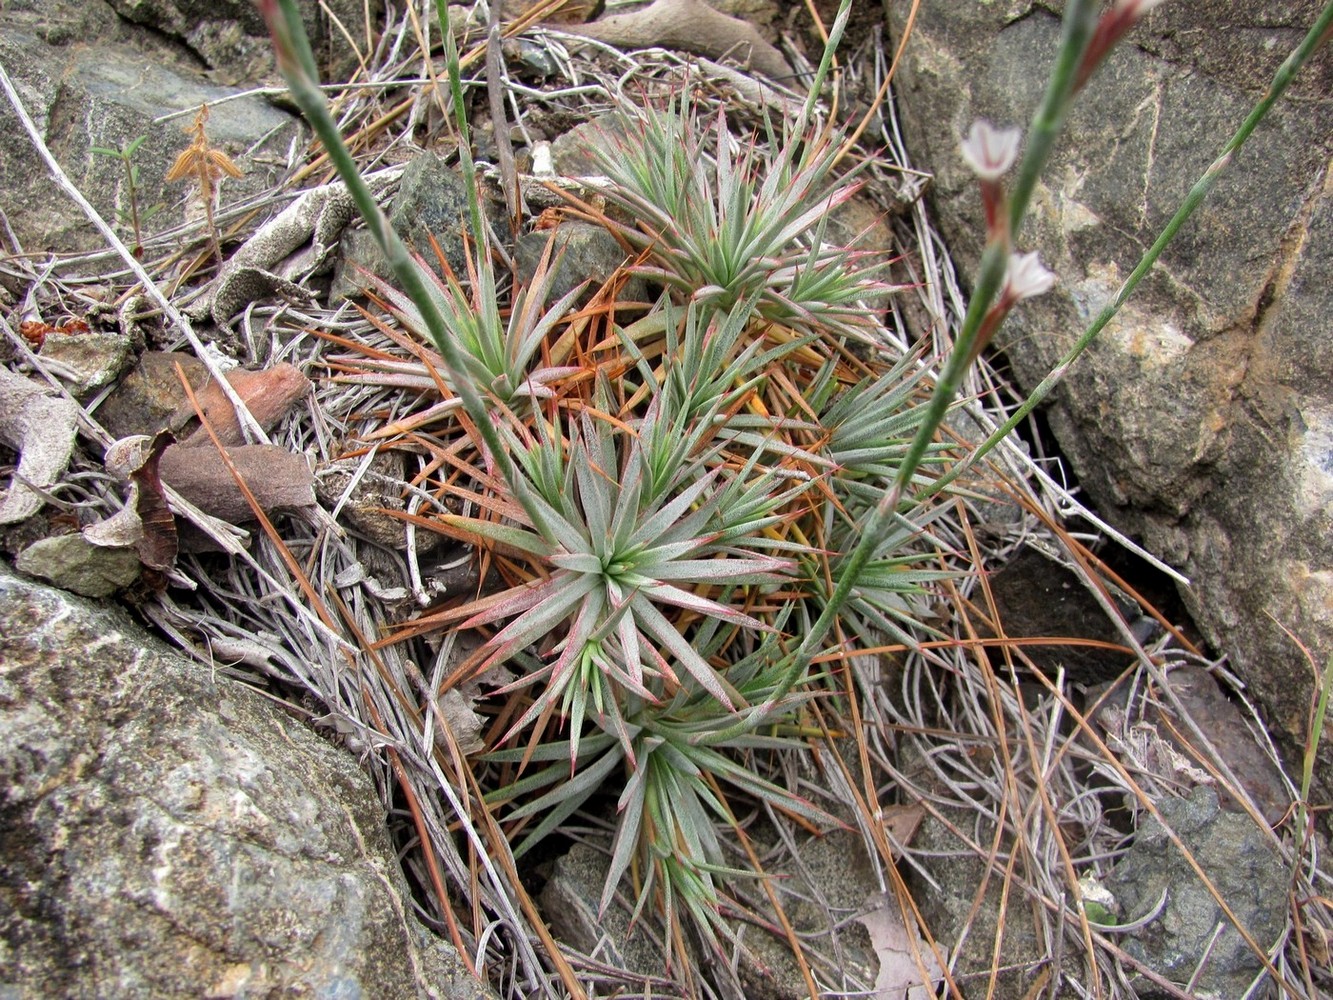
[(1025, 278), (989, 151)]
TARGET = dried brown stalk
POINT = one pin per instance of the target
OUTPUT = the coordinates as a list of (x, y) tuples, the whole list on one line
[(204, 165)]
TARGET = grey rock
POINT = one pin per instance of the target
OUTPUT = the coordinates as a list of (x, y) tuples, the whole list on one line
[(581, 252), (1242, 865), (73, 563), (431, 202), (105, 93), (835, 876), (577, 152), (62, 22), (359, 258), (230, 38), (172, 834), (1036, 596), (569, 903), (86, 362), (146, 399), (945, 879), (1202, 419)]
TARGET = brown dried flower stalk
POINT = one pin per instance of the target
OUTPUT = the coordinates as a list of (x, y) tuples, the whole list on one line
[(204, 165)]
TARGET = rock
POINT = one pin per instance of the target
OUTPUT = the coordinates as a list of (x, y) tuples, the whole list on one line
[(582, 252), (359, 257), (230, 38), (171, 834), (268, 394), (86, 362), (278, 479), (1215, 715), (1202, 419), (834, 876), (73, 563), (569, 902), (146, 399), (1036, 596), (577, 152), (1242, 865), (42, 427), (431, 202), (945, 878), (62, 22), (105, 92)]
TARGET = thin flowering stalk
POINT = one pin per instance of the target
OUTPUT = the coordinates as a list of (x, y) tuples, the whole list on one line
[(1024, 279), (1079, 20), (1080, 16), (1318, 35), (203, 165), (297, 63), (454, 71)]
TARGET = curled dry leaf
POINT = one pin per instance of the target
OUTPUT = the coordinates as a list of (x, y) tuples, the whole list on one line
[(157, 549), (41, 427), (692, 26), (145, 521), (902, 954), (1142, 746), (122, 530), (274, 255), (459, 717)]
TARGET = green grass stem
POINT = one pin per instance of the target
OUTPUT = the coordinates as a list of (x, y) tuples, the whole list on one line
[(296, 61)]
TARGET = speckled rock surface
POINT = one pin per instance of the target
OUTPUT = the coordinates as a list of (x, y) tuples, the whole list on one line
[(169, 835), (229, 37), (834, 876), (1243, 867)]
